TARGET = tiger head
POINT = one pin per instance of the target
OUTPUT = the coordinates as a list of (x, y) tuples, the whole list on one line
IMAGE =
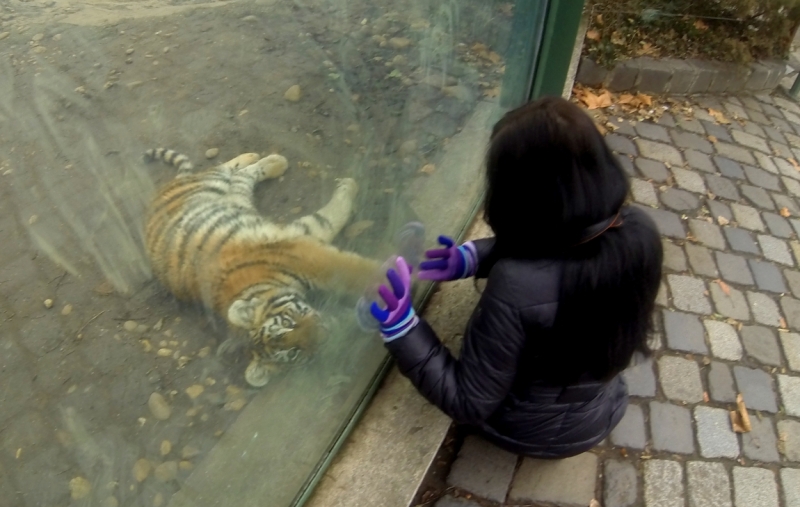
[(283, 330)]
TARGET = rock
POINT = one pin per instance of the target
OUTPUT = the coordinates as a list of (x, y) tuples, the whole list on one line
[(37, 37), (194, 391), (79, 488), (400, 61), (129, 51), (66, 310), (57, 37), (408, 147), (235, 405), (48, 303), (250, 19), (39, 49), (141, 329), (164, 352), (293, 94), (3, 35), (141, 469), (399, 42), (158, 500), (185, 465), (158, 325), (159, 407), (212, 152), (189, 452), (129, 325), (166, 447), (166, 471)]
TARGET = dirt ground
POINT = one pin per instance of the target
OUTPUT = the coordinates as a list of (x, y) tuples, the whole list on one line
[(86, 336)]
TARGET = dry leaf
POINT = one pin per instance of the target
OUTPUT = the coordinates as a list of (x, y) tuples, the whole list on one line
[(593, 101), (794, 163), (706, 399), (700, 25), (428, 168), (741, 410), (736, 422), (718, 116), (782, 323), (722, 220), (492, 92), (599, 19), (713, 139), (785, 213), (625, 98), (593, 35), (724, 286), (104, 289), (594, 503), (647, 100), (617, 38)]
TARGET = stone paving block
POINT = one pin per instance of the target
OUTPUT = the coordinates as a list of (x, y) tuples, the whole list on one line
[(790, 479), (643, 192), (756, 387), (709, 485), (720, 383), (699, 161), (761, 344), (724, 340), (783, 165), (719, 209), (674, 257), (791, 309), (790, 394), (754, 487), (777, 225), (688, 294), (729, 168), (669, 224), (715, 434), (662, 297), (449, 501), (684, 332), (774, 134), (701, 260), (590, 73), (626, 164), (652, 131), (652, 169), (691, 125), (621, 485), (630, 430), (784, 201), (789, 439), (741, 240), (663, 484), (689, 180), (707, 233), (691, 141), (758, 197), (736, 110), (780, 149), (748, 217), (734, 268), (567, 482), (640, 378), (761, 444), (775, 249), (764, 309), (735, 152), (795, 249), (667, 120), (722, 187), (680, 379), (659, 151), (762, 178), (792, 186), (671, 428), (767, 276), (731, 304), (483, 469), (753, 128), (679, 200), (791, 349), (718, 131), (751, 141), (765, 162), (621, 144), (793, 277)]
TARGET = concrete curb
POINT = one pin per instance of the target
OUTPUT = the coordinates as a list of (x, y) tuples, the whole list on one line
[(682, 77)]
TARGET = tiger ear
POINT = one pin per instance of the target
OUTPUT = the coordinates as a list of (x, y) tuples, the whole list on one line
[(242, 313)]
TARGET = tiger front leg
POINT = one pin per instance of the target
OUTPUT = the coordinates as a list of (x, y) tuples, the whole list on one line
[(244, 180), (328, 221), (329, 268)]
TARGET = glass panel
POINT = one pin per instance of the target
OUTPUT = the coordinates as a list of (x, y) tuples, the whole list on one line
[(114, 392)]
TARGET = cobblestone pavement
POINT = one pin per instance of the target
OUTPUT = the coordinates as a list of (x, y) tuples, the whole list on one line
[(725, 198)]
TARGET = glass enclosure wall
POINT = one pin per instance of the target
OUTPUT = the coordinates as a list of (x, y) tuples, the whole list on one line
[(113, 392)]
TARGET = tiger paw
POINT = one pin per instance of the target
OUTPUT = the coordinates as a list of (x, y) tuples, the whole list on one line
[(243, 160), (347, 186), (258, 372), (410, 242)]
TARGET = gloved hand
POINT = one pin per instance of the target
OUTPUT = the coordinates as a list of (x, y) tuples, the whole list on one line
[(399, 317), (451, 262)]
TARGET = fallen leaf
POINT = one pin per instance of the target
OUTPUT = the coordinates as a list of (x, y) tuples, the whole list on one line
[(785, 213), (625, 98), (104, 289), (594, 503), (794, 163), (718, 116), (741, 409), (736, 422), (617, 38), (706, 399), (724, 286), (713, 139), (428, 168), (722, 220), (593, 101), (782, 323), (700, 25), (593, 35), (599, 19), (647, 100)]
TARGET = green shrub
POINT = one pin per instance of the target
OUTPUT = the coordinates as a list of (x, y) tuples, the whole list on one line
[(725, 30)]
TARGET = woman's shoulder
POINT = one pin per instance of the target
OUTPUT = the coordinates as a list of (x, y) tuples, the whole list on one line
[(524, 283)]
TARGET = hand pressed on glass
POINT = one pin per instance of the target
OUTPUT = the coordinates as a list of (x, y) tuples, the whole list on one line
[(449, 263), (399, 317)]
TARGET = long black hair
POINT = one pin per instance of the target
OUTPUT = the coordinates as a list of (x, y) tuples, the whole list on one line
[(550, 177)]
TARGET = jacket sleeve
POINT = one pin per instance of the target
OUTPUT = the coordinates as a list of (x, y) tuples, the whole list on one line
[(471, 388), (486, 256)]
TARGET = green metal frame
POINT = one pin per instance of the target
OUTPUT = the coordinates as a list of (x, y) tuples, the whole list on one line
[(537, 64)]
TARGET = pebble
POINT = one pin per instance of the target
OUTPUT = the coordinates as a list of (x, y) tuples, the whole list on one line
[(212, 152), (400, 61), (189, 452), (293, 94), (141, 469), (235, 405), (203, 352), (141, 328), (57, 37), (79, 488), (166, 471), (66, 310), (39, 49), (408, 147), (163, 352), (158, 325), (3, 35), (185, 465), (159, 407), (166, 447), (129, 51), (158, 500), (250, 18), (129, 325), (37, 37), (399, 42), (194, 391), (48, 303)]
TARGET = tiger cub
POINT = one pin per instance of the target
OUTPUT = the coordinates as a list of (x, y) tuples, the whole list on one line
[(207, 242)]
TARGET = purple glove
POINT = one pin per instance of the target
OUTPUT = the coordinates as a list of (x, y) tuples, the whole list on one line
[(399, 316), (451, 262)]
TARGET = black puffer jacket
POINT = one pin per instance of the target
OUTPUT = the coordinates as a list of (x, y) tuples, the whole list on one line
[(493, 386)]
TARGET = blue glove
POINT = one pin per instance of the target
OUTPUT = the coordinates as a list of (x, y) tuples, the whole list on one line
[(451, 262), (399, 317)]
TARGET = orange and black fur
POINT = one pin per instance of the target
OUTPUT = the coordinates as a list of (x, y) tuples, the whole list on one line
[(207, 242)]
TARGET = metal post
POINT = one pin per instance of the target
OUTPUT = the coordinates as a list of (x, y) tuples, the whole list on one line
[(795, 90), (561, 28)]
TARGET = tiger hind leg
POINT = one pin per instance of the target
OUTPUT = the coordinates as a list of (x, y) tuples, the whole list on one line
[(328, 221)]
